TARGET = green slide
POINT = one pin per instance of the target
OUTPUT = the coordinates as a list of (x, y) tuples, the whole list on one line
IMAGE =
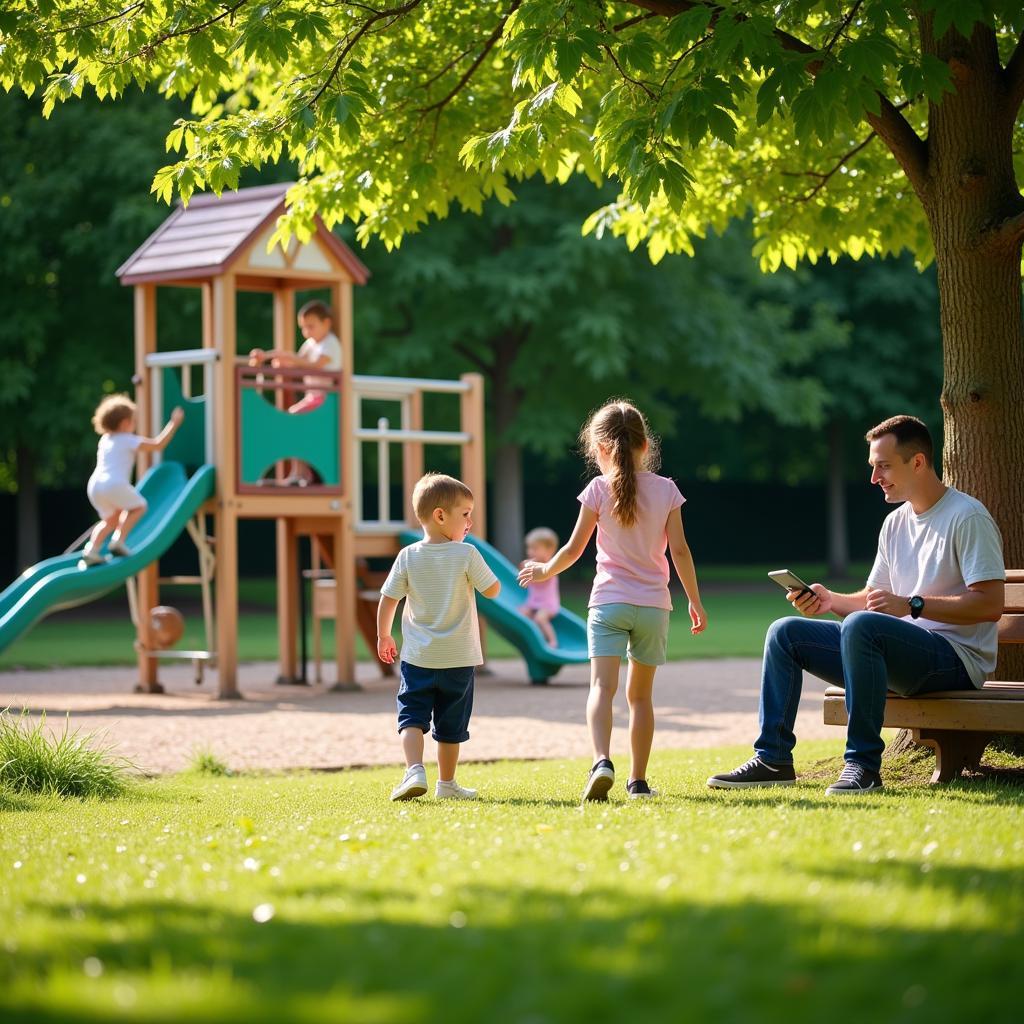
[(504, 614), (173, 497)]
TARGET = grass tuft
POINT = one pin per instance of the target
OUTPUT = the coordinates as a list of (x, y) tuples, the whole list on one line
[(32, 760), (206, 762)]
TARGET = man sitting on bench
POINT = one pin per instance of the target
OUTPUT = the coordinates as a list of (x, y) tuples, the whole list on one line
[(926, 621)]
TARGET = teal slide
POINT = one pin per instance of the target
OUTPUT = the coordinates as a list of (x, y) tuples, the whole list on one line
[(55, 583), (504, 613)]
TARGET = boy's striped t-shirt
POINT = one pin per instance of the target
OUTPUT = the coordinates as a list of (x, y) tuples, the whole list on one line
[(439, 624)]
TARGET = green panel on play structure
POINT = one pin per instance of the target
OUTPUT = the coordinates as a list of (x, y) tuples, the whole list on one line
[(188, 446), (269, 435)]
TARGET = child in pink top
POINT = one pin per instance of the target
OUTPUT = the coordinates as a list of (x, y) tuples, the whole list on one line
[(543, 601), (637, 515)]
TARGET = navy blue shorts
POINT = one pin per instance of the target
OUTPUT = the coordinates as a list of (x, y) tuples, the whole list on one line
[(446, 694)]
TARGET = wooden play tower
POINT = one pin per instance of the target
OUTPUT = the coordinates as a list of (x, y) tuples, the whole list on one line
[(239, 424)]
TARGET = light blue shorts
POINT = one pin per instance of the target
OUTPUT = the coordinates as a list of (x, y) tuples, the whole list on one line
[(613, 630)]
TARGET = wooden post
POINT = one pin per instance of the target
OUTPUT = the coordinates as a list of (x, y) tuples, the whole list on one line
[(474, 471), (345, 603), (474, 474), (344, 532), (287, 540), (226, 519), (147, 581), (412, 455)]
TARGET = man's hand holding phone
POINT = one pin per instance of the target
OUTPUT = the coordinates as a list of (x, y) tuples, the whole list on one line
[(815, 600), (808, 599)]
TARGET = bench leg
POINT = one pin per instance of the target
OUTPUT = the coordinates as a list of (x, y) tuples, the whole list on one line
[(954, 750)]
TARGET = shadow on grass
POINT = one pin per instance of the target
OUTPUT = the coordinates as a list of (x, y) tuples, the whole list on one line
[(519, 954)]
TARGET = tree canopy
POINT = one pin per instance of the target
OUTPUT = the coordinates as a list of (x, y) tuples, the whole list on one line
[(395, 110)]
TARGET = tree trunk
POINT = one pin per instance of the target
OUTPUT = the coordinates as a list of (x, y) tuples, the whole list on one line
[(28, 507), (838, 544), (972, 190)]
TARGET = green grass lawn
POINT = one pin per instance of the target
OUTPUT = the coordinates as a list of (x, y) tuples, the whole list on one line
[(313, 898), (737, 620)]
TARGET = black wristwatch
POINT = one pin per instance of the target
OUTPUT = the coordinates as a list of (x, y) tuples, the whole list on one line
[(916, 606)]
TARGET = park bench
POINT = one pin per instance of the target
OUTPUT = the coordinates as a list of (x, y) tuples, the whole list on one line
[(957, 724)]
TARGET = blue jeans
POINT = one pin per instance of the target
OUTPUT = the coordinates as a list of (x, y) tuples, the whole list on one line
[(867, 654)]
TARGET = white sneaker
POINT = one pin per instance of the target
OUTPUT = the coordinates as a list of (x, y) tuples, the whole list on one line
[(90, 557), (453, 791), (413, 784)]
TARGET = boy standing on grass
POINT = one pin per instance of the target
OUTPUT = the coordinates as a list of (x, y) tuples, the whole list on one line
[(440, 632)]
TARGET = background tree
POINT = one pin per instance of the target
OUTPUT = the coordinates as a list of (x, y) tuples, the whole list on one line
[(73, 204), (557, 322), (823, 118)]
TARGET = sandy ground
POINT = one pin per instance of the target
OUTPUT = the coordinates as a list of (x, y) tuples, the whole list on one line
[(698, 704)]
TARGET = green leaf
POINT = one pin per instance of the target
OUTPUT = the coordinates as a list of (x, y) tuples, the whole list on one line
[(568, 58), (722, 125)]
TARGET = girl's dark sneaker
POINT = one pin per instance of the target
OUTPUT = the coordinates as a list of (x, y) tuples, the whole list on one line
[(639, 790), (600, 780)]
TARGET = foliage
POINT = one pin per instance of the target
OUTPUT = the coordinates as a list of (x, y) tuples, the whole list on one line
[(396, 112), (72, 206), (561, 321), (34, 760), (311, 898)]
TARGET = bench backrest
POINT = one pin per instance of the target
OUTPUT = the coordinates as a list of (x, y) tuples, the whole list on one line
[(1011, 625)]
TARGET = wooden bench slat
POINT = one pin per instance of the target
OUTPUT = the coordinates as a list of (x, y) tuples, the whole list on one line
[(1013, 599), (1015, 575), (997, 715), (993, 690)]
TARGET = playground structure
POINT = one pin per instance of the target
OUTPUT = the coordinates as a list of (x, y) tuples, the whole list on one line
[(224, 464)]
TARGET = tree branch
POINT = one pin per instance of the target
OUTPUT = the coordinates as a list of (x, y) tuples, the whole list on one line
[(397, 12), (1013, 79), (909, 149), (471, 70), (844, 26), (634, 81), (482, 365), (1009, 232), (825, 176), (201, 27), (132, 9)]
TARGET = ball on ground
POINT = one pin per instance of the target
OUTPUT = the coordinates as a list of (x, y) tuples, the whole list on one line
[(166, 626)]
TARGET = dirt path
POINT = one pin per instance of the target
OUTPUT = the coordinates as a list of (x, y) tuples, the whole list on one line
[(698, 704)]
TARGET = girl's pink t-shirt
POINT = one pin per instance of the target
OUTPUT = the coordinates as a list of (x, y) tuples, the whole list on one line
[(632, 567)]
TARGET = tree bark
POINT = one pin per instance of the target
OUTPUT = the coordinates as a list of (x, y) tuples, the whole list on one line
[(972, 191), (28, 507), (838, 542), (971, 198)]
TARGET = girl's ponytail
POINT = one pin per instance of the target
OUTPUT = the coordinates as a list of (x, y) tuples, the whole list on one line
[(624, 482), (619, 429)]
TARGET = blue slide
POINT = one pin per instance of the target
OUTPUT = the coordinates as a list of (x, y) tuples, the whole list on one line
[(505, 615), (55, 583)]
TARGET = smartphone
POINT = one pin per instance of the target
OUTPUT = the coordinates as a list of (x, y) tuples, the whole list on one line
[(789, 581)]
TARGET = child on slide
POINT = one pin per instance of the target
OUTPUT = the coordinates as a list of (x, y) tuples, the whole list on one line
[(119, 504), (543, 601), (636, 514)]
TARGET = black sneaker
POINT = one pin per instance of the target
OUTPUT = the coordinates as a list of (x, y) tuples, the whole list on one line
[(754, 773), (639, 790), (855, 778), (601, 779)]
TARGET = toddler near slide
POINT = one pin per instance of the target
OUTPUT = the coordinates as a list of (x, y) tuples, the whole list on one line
[(119, 505), (543, 601), (636, 514), (440, 632)]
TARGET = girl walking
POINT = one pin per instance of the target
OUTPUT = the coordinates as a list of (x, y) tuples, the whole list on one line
[(637, 515)]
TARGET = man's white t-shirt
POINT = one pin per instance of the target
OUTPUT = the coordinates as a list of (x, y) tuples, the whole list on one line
[(314, 351), (439, 624), (115, 457), (941, 553)]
